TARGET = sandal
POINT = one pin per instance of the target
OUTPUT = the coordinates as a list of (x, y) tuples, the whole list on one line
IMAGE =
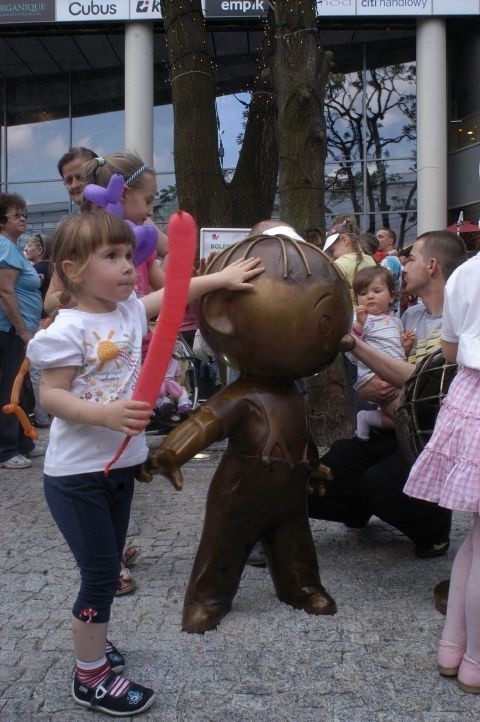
[(130, 555), (126, 583)]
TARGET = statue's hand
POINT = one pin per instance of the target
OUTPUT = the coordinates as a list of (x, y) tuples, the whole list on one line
[(164, 462), (347, 343)]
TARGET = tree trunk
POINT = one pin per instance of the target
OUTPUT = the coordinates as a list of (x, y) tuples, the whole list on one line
[(202, 189), (300, 69), (289, 119)]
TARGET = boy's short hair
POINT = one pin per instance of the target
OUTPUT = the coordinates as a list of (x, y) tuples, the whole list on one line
[(448, 248), (78, 236)]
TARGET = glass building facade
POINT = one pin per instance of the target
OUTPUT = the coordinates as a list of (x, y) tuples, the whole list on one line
[(63, 86)]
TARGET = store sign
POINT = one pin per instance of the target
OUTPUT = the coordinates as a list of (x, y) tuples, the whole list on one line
[(145, 10), (92, 10), (382, 8), (27, 12), (234, 8), (108, 10), (396, 8), (459, 7), (336, 8)]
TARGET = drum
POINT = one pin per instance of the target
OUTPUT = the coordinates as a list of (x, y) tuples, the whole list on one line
[(420, 401)]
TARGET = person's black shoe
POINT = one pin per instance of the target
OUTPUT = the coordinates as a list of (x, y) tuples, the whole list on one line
[(134, 700), (440, 594), (433, 551), (115, 659)]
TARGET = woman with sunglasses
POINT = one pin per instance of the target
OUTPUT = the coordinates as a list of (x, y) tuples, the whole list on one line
[(20, 311)]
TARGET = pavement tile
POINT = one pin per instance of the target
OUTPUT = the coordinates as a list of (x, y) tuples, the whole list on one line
[(374, 661)]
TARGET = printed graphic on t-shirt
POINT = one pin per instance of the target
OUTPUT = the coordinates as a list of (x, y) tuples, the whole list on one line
[(108, 366), (426, 346)]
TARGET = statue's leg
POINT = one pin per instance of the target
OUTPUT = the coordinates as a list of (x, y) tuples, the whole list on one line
[(227, 539), (293, 564)]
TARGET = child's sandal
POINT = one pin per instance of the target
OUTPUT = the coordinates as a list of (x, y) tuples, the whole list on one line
[(126, 583), (130, 555)]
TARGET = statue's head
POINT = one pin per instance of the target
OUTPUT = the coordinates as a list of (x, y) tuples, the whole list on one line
[(293, 322)]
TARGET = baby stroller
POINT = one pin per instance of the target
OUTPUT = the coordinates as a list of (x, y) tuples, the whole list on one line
[(179, 394)]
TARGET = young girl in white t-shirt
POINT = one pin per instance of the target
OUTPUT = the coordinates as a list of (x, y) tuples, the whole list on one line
[(90, 359)]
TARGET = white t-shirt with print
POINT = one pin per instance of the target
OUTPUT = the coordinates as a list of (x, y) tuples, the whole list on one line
[(105, 349)]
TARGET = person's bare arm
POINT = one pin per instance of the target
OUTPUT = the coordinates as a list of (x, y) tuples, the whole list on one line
[(9, 302), (156, 276), (378, 391), (124, 415), (450, 350), (394, 371), (234, 277)]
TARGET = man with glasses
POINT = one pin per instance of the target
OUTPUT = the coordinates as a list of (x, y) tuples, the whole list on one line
[(70, 167)]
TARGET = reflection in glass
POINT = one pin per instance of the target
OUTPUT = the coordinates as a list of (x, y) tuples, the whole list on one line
[(34, 150), (464, 132), (371, 147)]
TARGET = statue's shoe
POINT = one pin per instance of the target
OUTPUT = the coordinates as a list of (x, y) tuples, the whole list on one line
[(200, 618), (318, 602)]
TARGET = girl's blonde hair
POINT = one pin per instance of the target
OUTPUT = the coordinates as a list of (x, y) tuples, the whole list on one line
[(130, 165), (356, 246), (78, 236), (344, 223)]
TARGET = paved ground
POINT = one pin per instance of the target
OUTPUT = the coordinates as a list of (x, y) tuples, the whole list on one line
[(372, 662)]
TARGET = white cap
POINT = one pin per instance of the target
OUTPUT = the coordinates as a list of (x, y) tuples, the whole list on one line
[(284, 231), (330, 241)]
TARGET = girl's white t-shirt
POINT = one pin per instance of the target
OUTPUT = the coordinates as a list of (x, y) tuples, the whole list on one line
[(106, 349)]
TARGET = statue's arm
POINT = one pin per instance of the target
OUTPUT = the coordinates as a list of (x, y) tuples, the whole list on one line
[(196, 433)]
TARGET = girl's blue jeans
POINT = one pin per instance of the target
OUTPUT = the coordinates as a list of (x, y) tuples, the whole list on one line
[(92, 512)]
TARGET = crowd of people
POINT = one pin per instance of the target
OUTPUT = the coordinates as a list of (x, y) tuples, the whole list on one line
[(405, 303)]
